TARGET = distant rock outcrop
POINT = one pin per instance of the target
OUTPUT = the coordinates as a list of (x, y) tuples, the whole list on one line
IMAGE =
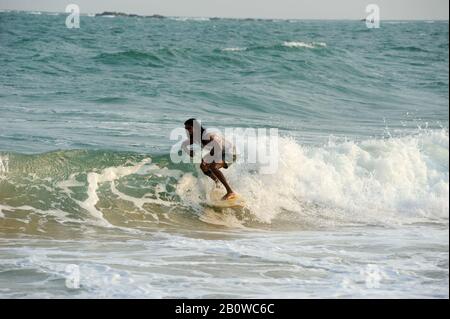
[(114, 14), (156, 16), (122, 14)]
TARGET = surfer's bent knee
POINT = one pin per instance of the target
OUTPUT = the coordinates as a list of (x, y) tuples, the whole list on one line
[(205, 167)]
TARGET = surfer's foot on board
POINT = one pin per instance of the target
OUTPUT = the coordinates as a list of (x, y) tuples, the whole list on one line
[(230, 195)]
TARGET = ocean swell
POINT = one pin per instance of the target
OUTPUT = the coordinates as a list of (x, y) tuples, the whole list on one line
[(386, 182)]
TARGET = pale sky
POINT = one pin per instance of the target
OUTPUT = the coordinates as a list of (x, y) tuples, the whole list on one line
[(278, 9)]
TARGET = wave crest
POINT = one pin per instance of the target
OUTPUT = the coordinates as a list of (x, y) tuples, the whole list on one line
[(308, 45), (380, 181)]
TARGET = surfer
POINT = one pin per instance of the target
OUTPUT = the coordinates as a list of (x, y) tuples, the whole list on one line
[(221, 153)]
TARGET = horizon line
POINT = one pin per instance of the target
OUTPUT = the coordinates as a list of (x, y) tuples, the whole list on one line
[(227, 17)]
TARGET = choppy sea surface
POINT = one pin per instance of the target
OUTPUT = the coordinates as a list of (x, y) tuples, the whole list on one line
[(91, 205)]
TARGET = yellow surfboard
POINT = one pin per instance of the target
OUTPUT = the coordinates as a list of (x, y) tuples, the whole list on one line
[(215, 200)]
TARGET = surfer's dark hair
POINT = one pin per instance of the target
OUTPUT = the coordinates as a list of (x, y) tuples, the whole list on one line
[(191, 122), (194, 122)]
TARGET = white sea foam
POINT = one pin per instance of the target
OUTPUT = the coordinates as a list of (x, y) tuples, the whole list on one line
[(59, 215), (379, 181), (109, 174), (190, 18), (308, 45), (344, 264), (234, 49), (390, 181), (396, 22), (4, 165), (1, 212), (4, 208)]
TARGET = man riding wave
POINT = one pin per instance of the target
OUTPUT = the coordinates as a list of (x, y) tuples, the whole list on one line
[(221, 153)]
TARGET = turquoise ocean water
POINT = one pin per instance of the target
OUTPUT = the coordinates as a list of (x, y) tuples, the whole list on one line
[(357, 208)]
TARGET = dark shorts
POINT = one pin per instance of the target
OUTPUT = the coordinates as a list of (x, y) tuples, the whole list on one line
[(227, 158)]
